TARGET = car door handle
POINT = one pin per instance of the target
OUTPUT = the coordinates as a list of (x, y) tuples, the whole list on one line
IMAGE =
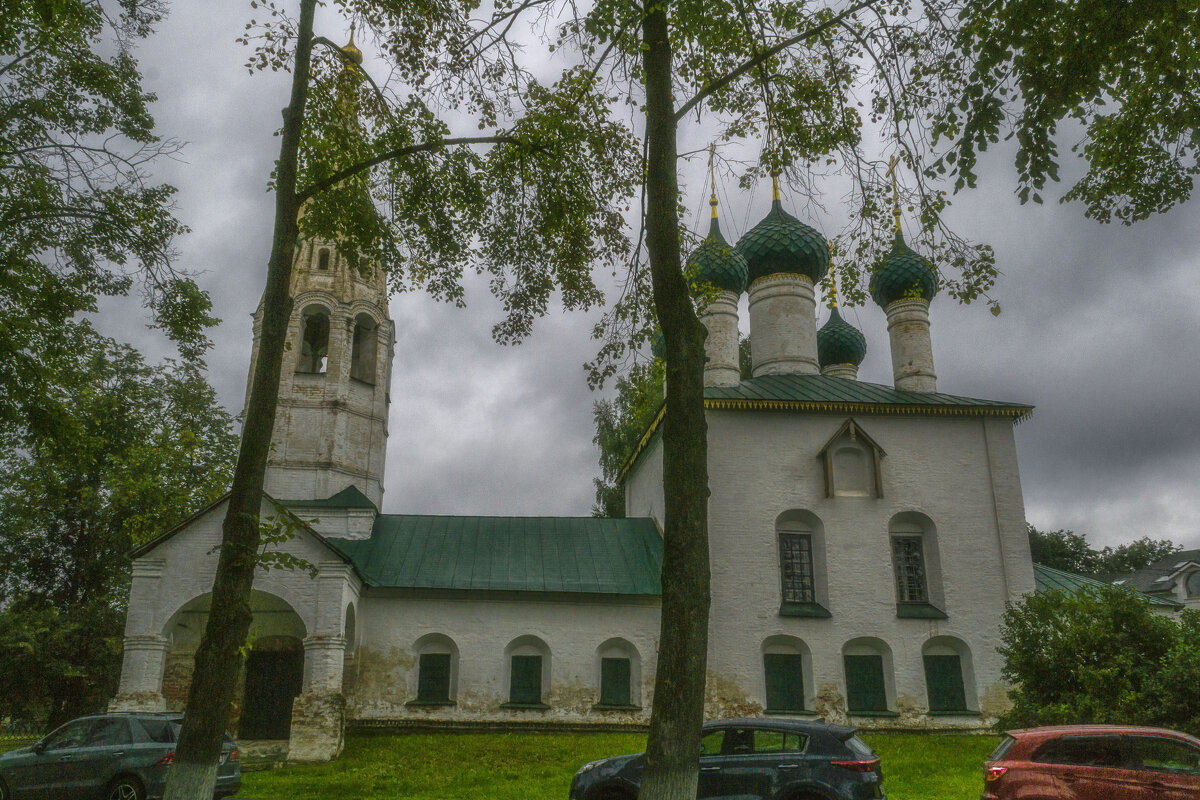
[(118, 754), (789, 766), (64, 758), (710, 769)]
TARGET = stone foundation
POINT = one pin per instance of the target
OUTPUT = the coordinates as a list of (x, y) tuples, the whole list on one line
[(318, 728)]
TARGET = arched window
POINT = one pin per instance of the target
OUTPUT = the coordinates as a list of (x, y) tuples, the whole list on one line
[(323, 258), (528, 661), (437, 670), (917, 566), (949, 675), (803, 586), (348, 629), (869, 684), (620, 675), (362, 354), (852, 462), (1193, 584), (787, 671), (314, 340)]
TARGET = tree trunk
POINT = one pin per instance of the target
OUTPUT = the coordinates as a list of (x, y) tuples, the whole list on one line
[(672, 751), (219, 658)]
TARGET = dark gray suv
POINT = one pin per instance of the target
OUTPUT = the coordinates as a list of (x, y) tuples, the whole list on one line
[(109, 757), (771, 759)]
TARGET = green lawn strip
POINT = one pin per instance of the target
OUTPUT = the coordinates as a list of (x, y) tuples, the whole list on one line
[(532, 766), (923, 766)]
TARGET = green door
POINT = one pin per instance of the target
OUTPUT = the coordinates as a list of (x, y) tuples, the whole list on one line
[(433, 678), (614, 682), (785, 681), (944, 682), (864, 684)]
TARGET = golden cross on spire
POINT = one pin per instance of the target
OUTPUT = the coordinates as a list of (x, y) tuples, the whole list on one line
[(771, 152), (712, 180), (352, 53), (892, 162)]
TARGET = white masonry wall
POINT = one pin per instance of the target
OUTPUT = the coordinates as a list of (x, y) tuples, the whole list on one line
[(396, 624), (961, 473)]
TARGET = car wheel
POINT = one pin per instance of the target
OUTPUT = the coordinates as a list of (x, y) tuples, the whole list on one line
[(126, 787)]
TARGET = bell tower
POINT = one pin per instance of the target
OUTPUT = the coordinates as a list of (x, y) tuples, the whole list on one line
[(331, 423)]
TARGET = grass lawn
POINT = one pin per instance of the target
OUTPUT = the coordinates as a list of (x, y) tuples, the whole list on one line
[(531, 766)]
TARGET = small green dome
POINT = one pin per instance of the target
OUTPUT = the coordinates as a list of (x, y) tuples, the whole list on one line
[(782, 243), (715, 262), (839, 342), (904, 275)]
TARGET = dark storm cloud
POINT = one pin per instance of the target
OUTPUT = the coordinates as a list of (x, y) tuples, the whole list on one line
[(1099, 329)]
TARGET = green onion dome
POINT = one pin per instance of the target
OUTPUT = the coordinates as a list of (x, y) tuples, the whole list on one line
[(904, 275), (782, 243), (839, 342), (716, 263)]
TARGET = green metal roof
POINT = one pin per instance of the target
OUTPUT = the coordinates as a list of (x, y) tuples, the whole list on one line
[(904, 273), (782, 243), (715, 262), (350, 497), (520, 554), (827, 393), (1049, 579), (839, 342)]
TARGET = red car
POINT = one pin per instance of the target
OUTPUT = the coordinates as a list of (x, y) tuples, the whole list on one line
[(1093, 762)]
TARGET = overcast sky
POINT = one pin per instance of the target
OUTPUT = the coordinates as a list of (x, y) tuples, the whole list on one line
[(1099, 329)]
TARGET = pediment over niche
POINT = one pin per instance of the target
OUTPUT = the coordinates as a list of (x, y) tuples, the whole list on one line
[(852, 462)]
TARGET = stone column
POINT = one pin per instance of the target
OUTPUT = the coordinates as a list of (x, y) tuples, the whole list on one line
[(720, 317), (319, 712), (912, 349), (783, 325), (145, 652), (847, 371)]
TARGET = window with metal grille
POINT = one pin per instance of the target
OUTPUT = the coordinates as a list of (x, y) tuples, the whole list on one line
[(910, 569), (614, 682), (796, 567), (525, 685), (433, 678)]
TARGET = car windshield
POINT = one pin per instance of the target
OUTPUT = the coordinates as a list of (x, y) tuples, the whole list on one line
[(860, 748)]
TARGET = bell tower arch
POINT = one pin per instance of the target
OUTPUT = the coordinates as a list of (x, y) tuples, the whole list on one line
[(334, 386)]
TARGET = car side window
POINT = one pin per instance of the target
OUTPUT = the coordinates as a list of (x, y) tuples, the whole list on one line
[(1160, 754), (778, 742), (711, 743), (1084, 751), (108, 732), (71, 735), (157, 730), (739, 742)]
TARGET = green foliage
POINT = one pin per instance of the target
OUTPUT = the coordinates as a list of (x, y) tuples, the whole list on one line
[(113, 452), (535, 766), (620, 425), (79, 218), (1100, 656), (1070, 552), (1126, 73)]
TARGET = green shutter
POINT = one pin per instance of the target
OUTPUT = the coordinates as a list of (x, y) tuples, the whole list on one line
[(944, 681), (785, 681), (433, 678), (614, 682), (864, 684), (525, 686)]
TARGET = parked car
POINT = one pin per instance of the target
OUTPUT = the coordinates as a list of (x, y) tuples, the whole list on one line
[(108, 757), (772, 759), (1093, 762)]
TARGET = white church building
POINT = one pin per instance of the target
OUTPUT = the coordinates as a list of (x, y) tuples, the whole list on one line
[(864, 538)]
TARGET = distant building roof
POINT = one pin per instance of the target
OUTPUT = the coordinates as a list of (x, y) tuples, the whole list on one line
[(1156, 577), (1049, 579), (522, 554)]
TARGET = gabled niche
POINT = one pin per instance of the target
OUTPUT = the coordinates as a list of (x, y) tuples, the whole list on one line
[(851, 460)]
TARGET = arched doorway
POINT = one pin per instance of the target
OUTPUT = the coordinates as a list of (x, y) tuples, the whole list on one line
[(273, 674)]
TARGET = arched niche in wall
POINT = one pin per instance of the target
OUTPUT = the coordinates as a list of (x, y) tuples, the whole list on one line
[(870, 676), (917, 566), (788, 686), (803, 580), (314, 340), (852, 463), (618, 671), (436, 680), (949, 676), (527, 672), (364, 348)]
